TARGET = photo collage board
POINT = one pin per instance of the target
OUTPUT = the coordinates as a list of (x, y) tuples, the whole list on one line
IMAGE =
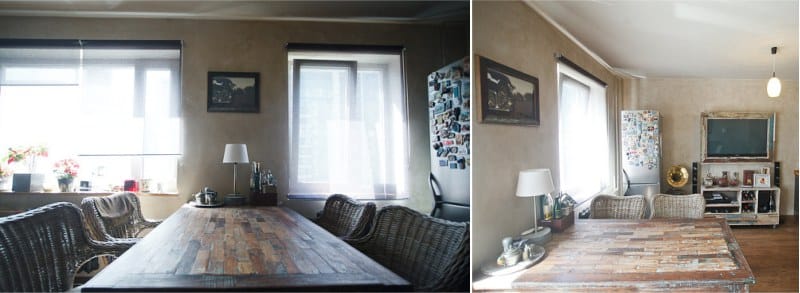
[(449, 112), (641, 138)]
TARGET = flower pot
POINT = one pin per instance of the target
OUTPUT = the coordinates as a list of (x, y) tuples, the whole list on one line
[(4, 182), (26, 182), (65, 184)]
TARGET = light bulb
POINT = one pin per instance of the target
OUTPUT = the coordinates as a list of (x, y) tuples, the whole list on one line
[(774, 87)]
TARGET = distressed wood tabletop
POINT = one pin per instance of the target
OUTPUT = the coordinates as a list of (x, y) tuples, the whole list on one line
[(636, 255), (242, 249)]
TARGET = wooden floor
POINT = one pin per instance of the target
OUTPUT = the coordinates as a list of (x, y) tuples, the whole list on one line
[(772, 254)]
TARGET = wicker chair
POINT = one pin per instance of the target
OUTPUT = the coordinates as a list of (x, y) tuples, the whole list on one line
[(41, 249), (617, 207), (678, 206), (432, 254), (346, 217), (117, 217)]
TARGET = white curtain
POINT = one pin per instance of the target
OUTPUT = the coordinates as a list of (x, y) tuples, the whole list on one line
[(584, 160), (348, 127), (120, 117)]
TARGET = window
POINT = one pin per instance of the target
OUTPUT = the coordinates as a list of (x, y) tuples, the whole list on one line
[(112, 105), (583, 132), (349, 126)]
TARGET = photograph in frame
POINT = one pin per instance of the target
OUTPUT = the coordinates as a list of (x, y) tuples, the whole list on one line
[(761, 180), (233, 92), (508, 96)]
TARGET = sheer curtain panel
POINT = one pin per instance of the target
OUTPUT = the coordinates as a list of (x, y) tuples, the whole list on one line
[(114, 105), (349, 124), (584, 157)]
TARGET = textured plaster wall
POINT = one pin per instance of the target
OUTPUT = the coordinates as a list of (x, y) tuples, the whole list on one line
[(259, 46), (680, 102), (513, 34)]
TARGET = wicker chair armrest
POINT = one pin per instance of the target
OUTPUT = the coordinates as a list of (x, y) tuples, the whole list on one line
[(365, 222), (115, 246), (457, 275), (358, 241), (448, 250), (151, 224)]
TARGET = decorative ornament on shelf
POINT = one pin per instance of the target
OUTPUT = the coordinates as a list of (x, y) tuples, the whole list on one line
[(66, 170)]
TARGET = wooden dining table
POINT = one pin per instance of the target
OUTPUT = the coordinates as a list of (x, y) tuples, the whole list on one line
[(698, 255), (242, 249)]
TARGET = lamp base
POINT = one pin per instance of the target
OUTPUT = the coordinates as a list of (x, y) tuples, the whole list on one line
[(234, 199), (540, 237)]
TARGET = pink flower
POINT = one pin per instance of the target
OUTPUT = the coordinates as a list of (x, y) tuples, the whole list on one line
[(66, 168)]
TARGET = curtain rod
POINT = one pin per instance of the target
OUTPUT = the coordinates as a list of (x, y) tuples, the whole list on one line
[(569, 63), (345, 48), (75, 43)]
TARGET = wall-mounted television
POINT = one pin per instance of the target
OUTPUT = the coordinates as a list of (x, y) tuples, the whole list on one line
[(736, 136)]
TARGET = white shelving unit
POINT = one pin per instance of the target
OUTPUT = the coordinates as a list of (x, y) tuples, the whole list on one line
[(741, 205)]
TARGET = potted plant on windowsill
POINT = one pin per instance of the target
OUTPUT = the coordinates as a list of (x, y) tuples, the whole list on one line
[(66, 170), (26, 156)]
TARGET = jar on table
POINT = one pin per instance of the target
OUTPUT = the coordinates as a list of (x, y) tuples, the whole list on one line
[(735, 180), (723, 181)]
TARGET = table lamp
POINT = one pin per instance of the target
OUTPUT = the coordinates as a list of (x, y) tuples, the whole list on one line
[(235, 153), (535, 183)]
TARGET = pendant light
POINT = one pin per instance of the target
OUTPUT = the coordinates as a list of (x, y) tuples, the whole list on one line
[(774, 84)]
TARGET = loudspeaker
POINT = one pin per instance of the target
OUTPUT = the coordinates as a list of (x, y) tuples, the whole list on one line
[(695, 170), (777, 174)]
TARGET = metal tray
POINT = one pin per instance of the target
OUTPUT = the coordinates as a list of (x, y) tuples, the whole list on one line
[(212, 205), (493, 269)]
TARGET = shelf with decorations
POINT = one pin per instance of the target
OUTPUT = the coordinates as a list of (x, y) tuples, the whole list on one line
[(741, 199)]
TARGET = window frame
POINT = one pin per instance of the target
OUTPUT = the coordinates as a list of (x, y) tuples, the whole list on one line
[(140, 66), (352, 86), (356, 66), (574, 69)]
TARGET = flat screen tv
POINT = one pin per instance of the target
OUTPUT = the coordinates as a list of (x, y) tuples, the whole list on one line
[(737, 136)]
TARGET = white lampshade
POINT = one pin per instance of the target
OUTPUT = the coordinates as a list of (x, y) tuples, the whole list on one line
[(235, 153), (774, 87), (533, 182)]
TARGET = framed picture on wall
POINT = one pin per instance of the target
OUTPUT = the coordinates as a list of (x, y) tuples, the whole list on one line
[(508, 96), (761, 180), (233, 92)]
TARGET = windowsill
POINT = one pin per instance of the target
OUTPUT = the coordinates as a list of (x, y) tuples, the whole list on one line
[(86, 193), (298, 197)]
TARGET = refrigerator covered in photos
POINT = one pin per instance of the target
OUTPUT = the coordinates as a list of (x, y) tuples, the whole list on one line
[(641, 152), (449, 122)]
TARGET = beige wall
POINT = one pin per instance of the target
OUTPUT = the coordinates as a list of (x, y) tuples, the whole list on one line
[(680, 102), (253, 46), (513, 34)]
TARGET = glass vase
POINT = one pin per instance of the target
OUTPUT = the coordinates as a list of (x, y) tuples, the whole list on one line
[(65, 184)]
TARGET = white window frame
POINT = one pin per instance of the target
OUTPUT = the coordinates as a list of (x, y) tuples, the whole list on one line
[(299, 190), (140, 67)]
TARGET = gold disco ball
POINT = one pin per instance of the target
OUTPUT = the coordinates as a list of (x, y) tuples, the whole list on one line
[(677, 176)]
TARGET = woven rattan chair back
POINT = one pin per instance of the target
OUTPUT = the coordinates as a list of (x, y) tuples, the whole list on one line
[(617, 207), (346, 217), (432, 254), (42, 249), (115, 216), (690, 206)]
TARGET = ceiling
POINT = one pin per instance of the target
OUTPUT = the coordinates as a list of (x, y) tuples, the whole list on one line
[(353, 11), (693, 39)]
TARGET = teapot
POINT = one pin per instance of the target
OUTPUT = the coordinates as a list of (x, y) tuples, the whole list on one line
[(210, 195), (511, 253), (206, 196)]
